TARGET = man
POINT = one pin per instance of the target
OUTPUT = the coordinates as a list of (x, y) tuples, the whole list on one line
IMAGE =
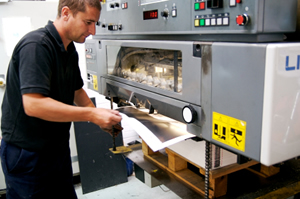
[(43, 82)]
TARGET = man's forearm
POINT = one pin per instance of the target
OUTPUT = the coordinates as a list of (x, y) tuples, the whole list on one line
[(82, 99), (46, 108), (37, 105)]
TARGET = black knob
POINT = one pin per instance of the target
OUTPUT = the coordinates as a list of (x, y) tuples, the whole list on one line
[(165, 13), (110, 27)]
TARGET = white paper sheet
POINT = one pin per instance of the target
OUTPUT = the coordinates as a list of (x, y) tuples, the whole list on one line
[(152, 141)]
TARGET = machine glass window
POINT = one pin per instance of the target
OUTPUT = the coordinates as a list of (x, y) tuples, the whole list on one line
[(153, 67)]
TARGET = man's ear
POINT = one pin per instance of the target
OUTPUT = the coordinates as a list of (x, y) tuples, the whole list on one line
[(65, 13)]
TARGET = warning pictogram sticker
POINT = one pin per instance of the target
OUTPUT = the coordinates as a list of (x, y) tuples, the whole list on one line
[(229, 131), (95, 82)]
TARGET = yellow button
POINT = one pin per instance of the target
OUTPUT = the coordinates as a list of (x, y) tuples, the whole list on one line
[(197, 23)]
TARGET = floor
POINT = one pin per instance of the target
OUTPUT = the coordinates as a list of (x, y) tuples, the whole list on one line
[(134, 188)]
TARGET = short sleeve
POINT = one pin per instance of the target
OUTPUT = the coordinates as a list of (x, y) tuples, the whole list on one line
[(78, 78), (35, 69)]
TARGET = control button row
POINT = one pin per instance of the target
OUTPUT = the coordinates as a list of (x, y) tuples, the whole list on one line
[(114, 5), (124, 5), (117, 5), (221, 21), (212, 4), (212, 20), (199, 5)]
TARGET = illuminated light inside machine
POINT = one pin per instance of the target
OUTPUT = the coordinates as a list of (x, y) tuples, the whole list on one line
[(152, 67), (151, 14), (158, 70)]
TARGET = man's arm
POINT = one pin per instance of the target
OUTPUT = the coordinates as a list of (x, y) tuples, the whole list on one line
[(37, 105), (82, 99)]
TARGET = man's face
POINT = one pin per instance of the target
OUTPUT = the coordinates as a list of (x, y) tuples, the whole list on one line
[(83, 24)]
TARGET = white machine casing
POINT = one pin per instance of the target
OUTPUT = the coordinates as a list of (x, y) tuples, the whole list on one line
[(281, 112)]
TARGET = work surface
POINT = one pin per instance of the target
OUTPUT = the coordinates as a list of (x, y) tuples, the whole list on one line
[(242, 184)]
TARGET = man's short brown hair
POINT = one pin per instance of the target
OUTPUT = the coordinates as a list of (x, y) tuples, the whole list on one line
[(77, 5)]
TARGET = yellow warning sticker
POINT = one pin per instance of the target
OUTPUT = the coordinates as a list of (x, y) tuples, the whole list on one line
[(95, 82), (229, 131)]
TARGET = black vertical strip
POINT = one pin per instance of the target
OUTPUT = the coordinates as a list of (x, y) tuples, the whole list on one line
[(175, 71)]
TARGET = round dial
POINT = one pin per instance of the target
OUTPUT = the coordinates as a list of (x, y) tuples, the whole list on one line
[(165, 13), (189, 114)]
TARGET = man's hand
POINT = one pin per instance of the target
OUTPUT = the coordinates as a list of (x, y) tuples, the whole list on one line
[(105, 118), (115, 130)]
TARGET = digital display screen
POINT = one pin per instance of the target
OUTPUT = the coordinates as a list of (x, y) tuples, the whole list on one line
[(151, 14)]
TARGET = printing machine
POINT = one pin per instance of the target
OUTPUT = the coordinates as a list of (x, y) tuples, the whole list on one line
[(223, 67)]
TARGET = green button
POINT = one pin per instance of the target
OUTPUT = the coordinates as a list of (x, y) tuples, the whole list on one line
[(197, 6), (202, 22)]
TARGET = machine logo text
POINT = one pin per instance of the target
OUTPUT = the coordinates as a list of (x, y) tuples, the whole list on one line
[(292, 68)]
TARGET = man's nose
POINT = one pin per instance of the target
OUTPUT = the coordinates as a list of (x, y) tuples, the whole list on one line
[(92, 29)]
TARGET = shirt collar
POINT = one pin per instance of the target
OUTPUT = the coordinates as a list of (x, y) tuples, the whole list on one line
[(54, 33)]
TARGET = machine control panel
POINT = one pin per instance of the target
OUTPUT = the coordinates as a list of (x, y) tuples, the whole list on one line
[(194, 17)]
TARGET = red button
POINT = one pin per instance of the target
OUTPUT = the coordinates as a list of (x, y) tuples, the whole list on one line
[(239, 1), (202, 5), (240, 20)]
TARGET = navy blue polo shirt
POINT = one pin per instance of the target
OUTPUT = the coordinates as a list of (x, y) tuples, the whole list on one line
[(39, 64)]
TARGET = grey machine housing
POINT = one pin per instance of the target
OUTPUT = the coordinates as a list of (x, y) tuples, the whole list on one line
[(223, 67), (213, 80)]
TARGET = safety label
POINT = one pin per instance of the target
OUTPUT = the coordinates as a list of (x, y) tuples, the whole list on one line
[(95, 82), (229, 131)]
